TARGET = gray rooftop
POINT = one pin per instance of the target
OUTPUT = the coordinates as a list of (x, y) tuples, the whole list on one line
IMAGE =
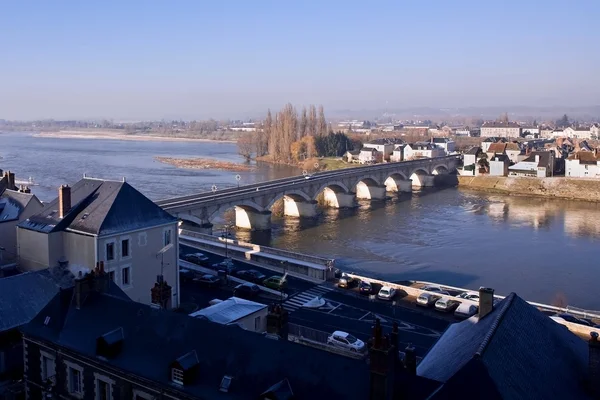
[(100, 207), (229, 311), (12, 204), (515, 352)]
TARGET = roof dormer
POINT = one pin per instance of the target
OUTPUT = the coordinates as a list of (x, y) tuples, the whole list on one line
[(183, 370), (110, 344)]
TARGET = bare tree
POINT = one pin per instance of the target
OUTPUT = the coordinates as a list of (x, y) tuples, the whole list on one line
[(312, 121), (246, 145), (303, 124), (322, 124)]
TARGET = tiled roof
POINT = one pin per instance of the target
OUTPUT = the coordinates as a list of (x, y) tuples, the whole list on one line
[(512, 147), (154, 339), (497, 148), (515, 352), (585, 157), (100, 208)]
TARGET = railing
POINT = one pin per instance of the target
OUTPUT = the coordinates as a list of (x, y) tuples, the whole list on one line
[(316, 338)]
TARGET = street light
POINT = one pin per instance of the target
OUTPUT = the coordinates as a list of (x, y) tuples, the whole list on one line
[(284, 264)]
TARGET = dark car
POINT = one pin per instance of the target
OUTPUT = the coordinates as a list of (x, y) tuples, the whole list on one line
[(251, 275), (347, 282), (246, 291), (570, 318), (209, 281), (225, 265), (275, 282), (365, 287), (196, 258), (187, 275)]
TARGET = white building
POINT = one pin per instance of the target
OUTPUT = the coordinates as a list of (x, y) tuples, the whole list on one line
[(422, 150), (447, 144), (530, 130), (501, 129), (369, 155), (110, 222), (472, 156), (595, 131), (398, 153), (583, 164), (578, 133), (383, 146), (487, 142), (246, 314), (539, 164), (499, 165)]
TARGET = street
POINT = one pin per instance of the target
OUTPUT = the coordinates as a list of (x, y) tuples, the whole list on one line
[(343, 310)]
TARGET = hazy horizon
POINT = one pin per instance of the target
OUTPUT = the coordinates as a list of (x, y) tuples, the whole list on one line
[(193, 60)]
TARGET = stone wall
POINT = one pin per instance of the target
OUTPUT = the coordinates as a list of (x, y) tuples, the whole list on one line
[(557, 187)]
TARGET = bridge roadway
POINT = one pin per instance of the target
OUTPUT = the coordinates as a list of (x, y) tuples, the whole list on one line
[(253, 202)]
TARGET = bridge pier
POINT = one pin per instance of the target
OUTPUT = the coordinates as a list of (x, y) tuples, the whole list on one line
[(398, 185), (405, 186), (298, 208), (252, 220), (426, 181), (340, 199), (370, 192)]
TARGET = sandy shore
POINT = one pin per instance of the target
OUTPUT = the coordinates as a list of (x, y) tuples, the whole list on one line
[(204, 163), (109, 135)]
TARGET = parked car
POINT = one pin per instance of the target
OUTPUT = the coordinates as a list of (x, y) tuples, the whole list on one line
[(347, 282), (466, 310), (570, 318), (251, 275), (469, 296), (196, 258), (429, 299), (275, 282), (187, 275), (346, 341), (432, 288), (246, 291), (386, 293), (225, 265), (209, 281), (365, 287), (446, 304)]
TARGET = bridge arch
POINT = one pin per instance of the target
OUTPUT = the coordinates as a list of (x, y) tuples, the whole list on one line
[(335, 194), (419, 177), (398, 182), (369, 188), (295, 195), (439, 170)]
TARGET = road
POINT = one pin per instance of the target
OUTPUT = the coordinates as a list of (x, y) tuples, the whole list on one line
[(344, 309)]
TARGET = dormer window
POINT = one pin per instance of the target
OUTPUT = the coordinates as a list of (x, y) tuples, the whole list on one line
[(109, 345), (183, 370), (225, 383)]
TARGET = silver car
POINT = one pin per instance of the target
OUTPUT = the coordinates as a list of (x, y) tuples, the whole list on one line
[(429, 299)]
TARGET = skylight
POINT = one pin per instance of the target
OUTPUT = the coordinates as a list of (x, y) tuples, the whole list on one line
[(225, 383)]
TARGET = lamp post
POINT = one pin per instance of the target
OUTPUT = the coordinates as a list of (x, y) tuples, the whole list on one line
[(284, 265)]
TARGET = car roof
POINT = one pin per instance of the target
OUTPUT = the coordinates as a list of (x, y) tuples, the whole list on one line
[(386, 288), (208, 276), (341, 334)]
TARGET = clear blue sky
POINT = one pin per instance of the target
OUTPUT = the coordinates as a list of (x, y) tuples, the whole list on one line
[(196, 59)]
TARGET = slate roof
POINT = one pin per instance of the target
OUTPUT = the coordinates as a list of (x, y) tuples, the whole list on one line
[(12, 204), (474, 150), (24, 295), (368, 150), (100, 207), (154, 339), (544, 158), (585, 157), (229, 311), (515, 352), (496, 124), (500, 157), (512, 147)]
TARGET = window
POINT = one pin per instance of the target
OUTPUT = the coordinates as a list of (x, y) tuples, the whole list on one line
[(167, 237), (125, 248), (48, 368), (177, 375), (103, 391), (125, 277), (110, 251), (75, 386), (139, 395), (257, 324), (111, 275)]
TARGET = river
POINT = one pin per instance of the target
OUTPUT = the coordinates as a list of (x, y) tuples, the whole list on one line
[(542, 249)]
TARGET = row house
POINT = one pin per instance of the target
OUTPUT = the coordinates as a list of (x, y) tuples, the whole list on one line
[(578, 133), (583, 164), (422, 150), (538, 164), (111, 222), (501, 129)]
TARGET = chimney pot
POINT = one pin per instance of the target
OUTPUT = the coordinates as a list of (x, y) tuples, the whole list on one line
[(64, 200), (410, 359), (486, 301)]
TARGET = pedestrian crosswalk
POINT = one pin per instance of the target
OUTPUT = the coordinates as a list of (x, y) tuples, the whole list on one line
[(295, 302)]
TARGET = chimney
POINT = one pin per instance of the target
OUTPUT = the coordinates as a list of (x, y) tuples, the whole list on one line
[(382, 365), (277, 321), (83, 287), (64, 200), (161, 293), (410, 359), (594, 363), (537, 158), (486, 301), (11, 180)]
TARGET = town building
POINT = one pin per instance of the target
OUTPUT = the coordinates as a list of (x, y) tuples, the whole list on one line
[(578, 133), (369, 155), (352, 156), (422, 150), (595, 131), (398, 153), (16, 205), (530, 131), (384, 146), (472, 156), (583, 164), (448, 145), (538, 164), (493, 355), (501, 129), (111, 222), (513, 151), (487, 142), (499, 164), (246, 314), (496, 148)]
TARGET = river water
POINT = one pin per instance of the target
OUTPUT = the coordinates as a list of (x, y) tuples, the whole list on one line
[(542, 249)]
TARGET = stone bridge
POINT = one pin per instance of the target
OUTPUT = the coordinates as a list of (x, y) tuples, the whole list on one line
[(339, 189)]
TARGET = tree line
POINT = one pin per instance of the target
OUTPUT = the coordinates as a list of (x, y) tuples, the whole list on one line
[(291, 137)]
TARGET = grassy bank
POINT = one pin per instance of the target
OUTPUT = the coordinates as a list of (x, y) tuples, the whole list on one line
[(313, 164)]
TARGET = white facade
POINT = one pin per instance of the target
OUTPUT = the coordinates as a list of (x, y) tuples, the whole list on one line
[(578, 133), (595, 130), (384, 148), (367, 156), (422, 151), (510, 130), (574, 168), (449, 146)]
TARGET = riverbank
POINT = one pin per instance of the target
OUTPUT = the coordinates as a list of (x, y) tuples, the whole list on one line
[(556, 187), (120, 135), (312, 164), (204, 163)]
